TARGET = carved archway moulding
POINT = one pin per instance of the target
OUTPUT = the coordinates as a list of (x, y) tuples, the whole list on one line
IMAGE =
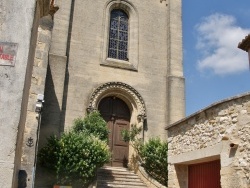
[(122, 90)]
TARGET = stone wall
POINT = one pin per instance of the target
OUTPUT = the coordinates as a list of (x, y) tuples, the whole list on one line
[(32, 124), (18, 24), (210, 134)]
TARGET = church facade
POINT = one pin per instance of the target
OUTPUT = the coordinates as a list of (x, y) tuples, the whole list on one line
[(122, 49), (121, 57)]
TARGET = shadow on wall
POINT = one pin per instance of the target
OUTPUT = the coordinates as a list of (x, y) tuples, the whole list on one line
[(50, 124), (182, 174), (50, 121), (232, 152)]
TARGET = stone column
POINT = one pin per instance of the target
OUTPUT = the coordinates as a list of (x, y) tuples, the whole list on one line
[(175, 79), (32, 125)]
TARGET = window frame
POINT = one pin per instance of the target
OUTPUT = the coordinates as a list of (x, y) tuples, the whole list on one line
[(133, 36)]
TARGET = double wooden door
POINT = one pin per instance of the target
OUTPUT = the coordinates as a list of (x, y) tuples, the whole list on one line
[(117, 115)]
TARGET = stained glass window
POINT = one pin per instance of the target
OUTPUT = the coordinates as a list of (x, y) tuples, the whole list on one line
[(118, 35)]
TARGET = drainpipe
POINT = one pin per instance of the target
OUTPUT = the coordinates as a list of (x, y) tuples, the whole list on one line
[(38, 110)]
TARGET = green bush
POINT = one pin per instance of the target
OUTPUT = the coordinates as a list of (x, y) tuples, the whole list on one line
[(75, 157), (49, 153), (153, 154), (79, 157), (155, 159), (94, 124)]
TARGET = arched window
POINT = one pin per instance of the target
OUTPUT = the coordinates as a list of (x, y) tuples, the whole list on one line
[(118, 35)]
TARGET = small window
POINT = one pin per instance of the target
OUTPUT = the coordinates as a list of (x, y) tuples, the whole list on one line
[(118, 35)]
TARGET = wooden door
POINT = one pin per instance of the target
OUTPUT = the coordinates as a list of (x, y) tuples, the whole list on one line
[(116, 113), (204, 175)]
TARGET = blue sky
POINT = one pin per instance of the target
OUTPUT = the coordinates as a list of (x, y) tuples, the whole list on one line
[(214, 67)]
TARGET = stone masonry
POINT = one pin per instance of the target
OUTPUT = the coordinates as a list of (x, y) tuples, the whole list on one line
[(220, 131), (20, 85), (32, 124), (18, 24)]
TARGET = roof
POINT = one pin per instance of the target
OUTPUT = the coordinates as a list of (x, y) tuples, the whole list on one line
[(245, 43)]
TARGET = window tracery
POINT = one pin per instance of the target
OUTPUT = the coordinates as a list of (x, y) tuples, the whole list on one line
[(118, 35)]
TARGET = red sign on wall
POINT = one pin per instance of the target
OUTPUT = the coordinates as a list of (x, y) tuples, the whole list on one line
[(8, 52)]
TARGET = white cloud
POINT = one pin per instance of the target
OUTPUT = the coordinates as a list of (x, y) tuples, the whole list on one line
[(218, 38)]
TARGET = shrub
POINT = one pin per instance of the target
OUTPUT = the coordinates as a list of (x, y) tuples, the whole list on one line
[(153, 154), (94, 124), (49, 153), (79, 157), (132, 137), (75, 157), (155, 159)]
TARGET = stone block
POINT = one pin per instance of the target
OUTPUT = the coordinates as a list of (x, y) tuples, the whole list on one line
[(6, 174), (44, 37)]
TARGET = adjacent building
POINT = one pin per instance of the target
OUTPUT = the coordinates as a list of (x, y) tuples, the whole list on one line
[(211, 147)]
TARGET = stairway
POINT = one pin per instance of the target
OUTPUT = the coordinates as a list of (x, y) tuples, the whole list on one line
[(118, 177)]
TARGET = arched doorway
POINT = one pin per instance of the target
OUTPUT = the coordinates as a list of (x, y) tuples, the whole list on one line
[(117, 115)]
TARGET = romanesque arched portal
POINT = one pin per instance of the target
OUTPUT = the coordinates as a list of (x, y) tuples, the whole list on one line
[(123, 91)]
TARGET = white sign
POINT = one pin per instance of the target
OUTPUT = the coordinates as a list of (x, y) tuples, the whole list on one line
[(8, 52)]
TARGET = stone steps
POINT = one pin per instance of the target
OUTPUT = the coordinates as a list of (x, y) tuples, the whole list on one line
[(118, 177)]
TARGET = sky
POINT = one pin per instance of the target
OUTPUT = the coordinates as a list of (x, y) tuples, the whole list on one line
[(214, 67)]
